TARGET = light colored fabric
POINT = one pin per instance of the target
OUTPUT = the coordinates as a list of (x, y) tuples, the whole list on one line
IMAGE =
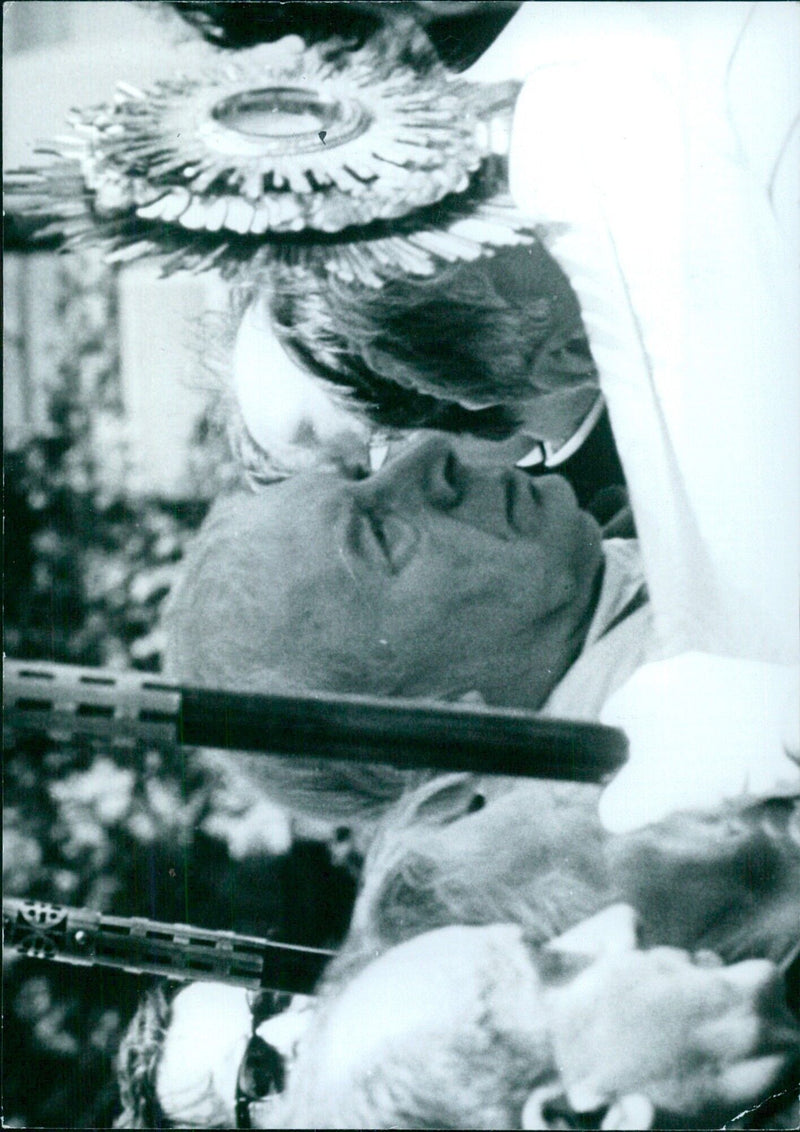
[(616, 644), (657, 145), (665, 137), (702, 729)]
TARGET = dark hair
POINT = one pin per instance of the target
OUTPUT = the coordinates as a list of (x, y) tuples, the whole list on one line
[(461, 350), (138, 1060), (234, 24), (335, 27), (460, 34)]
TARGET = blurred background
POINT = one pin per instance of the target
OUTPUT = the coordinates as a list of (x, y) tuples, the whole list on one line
[(114, 446), (115, 443)]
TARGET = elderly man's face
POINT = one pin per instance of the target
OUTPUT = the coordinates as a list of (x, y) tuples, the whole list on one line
[(431, 577), (468, 1023)]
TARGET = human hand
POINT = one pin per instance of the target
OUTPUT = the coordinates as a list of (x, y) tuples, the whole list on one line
[(702, 729)]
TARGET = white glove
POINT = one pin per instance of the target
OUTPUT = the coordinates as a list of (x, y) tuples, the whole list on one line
[(702, 729)]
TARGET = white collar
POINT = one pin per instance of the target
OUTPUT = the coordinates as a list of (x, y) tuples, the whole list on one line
[(623, 580), (544, 452)]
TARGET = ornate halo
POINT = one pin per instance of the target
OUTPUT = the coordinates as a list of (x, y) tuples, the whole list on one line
[(453, 230), (275, 154), (277, 140)]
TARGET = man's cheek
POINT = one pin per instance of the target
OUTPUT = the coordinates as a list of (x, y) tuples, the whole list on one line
[(628, 1031), (453, 605), (590, 1046)]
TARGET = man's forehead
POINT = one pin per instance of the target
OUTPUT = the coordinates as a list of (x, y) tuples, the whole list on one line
[(276, 530)]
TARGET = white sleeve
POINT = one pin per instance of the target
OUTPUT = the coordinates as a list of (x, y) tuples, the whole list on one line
[(680, 239), (548, 31)]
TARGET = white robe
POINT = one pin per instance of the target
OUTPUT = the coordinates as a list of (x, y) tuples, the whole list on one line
[(666, 136), (620, 638), (657, 145)]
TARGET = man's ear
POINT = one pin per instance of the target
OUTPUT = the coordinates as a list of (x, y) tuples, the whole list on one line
[(608, 932), (445, 800), (634, 1111)]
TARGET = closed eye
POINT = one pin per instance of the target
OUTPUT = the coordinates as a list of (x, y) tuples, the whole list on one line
[(510, 496), (378, 533), (392, 538), (366, 535)]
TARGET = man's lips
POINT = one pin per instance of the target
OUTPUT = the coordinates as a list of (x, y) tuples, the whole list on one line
[(526, 498), (521, 505)]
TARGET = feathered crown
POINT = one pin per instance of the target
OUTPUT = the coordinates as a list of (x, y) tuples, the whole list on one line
[(282, 155)]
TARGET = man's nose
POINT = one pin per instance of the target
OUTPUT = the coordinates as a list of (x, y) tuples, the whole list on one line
[(428, 473)]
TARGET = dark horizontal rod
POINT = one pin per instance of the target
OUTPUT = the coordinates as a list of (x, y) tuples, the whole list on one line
[(63, 700), (401, 732)]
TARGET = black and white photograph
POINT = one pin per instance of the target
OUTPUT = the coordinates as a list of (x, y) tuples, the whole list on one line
[(401, 514)]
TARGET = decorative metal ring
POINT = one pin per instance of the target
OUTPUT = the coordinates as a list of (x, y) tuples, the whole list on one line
[(275, 157), (279, 117), (279, 141)]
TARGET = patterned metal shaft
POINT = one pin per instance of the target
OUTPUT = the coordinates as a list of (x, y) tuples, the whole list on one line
[(148, 947)]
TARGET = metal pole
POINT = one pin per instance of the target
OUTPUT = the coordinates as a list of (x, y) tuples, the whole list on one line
[(127, 708), (148, 947)]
